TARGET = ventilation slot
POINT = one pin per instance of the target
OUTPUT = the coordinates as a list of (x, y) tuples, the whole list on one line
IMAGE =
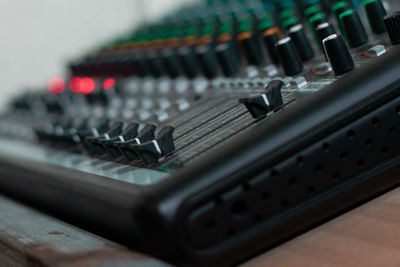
[(337, 158)]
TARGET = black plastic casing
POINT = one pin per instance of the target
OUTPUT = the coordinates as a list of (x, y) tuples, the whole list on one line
[(223, 188)]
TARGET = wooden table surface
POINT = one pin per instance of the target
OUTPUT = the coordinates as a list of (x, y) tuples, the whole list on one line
[(366, 236)]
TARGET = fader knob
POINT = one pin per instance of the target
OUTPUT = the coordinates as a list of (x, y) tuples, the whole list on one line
[(338, 54), (375, 13), (392, 23), (353, 28), (289, 57), (301, 42)]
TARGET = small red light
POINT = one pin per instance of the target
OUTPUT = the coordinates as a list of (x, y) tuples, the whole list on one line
[(364, 54), (75, 84), (82, 85), (88, 85), (109, 83), (56, 85)]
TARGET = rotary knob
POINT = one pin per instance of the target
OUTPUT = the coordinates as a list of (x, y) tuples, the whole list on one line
[(375, 13), (289, 57), (353, 28), (338, 54), (392, 23), (301, 42)]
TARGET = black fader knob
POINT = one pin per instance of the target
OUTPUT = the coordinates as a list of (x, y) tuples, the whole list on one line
[(152, 150), (145, 135), (301, 42), (375, 13), (338, 54), (324, 30), (289, 57), (353, 28), (392, 23), (259, 106), (227, 58)]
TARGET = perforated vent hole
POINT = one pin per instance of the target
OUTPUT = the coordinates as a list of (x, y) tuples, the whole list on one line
[(274, 173), (240, 208), (351, 134), (384, 150), (318, 169), (368, 143), (325, 147), (375, 122)]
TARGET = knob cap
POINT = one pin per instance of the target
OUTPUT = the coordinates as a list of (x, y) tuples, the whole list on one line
[(392, 23), (227, 58), (324, 30), (338, 54), (375, 13), (301, 42), (353, 28), (289, 57)]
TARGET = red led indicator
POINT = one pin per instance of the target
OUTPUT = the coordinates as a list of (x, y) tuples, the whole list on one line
[(109, 83), (82, 85), (75, 84), (88, 85), (56, 85)]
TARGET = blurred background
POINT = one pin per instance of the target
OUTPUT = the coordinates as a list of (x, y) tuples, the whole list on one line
[(38, 38)]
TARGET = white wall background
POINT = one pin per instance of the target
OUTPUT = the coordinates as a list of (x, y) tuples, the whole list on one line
[(38, 37)]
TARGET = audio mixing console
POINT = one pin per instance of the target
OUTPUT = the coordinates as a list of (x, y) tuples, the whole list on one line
[(216, 132)]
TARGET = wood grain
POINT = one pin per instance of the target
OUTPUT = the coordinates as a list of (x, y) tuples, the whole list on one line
[(30, 238), (366, 236)]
